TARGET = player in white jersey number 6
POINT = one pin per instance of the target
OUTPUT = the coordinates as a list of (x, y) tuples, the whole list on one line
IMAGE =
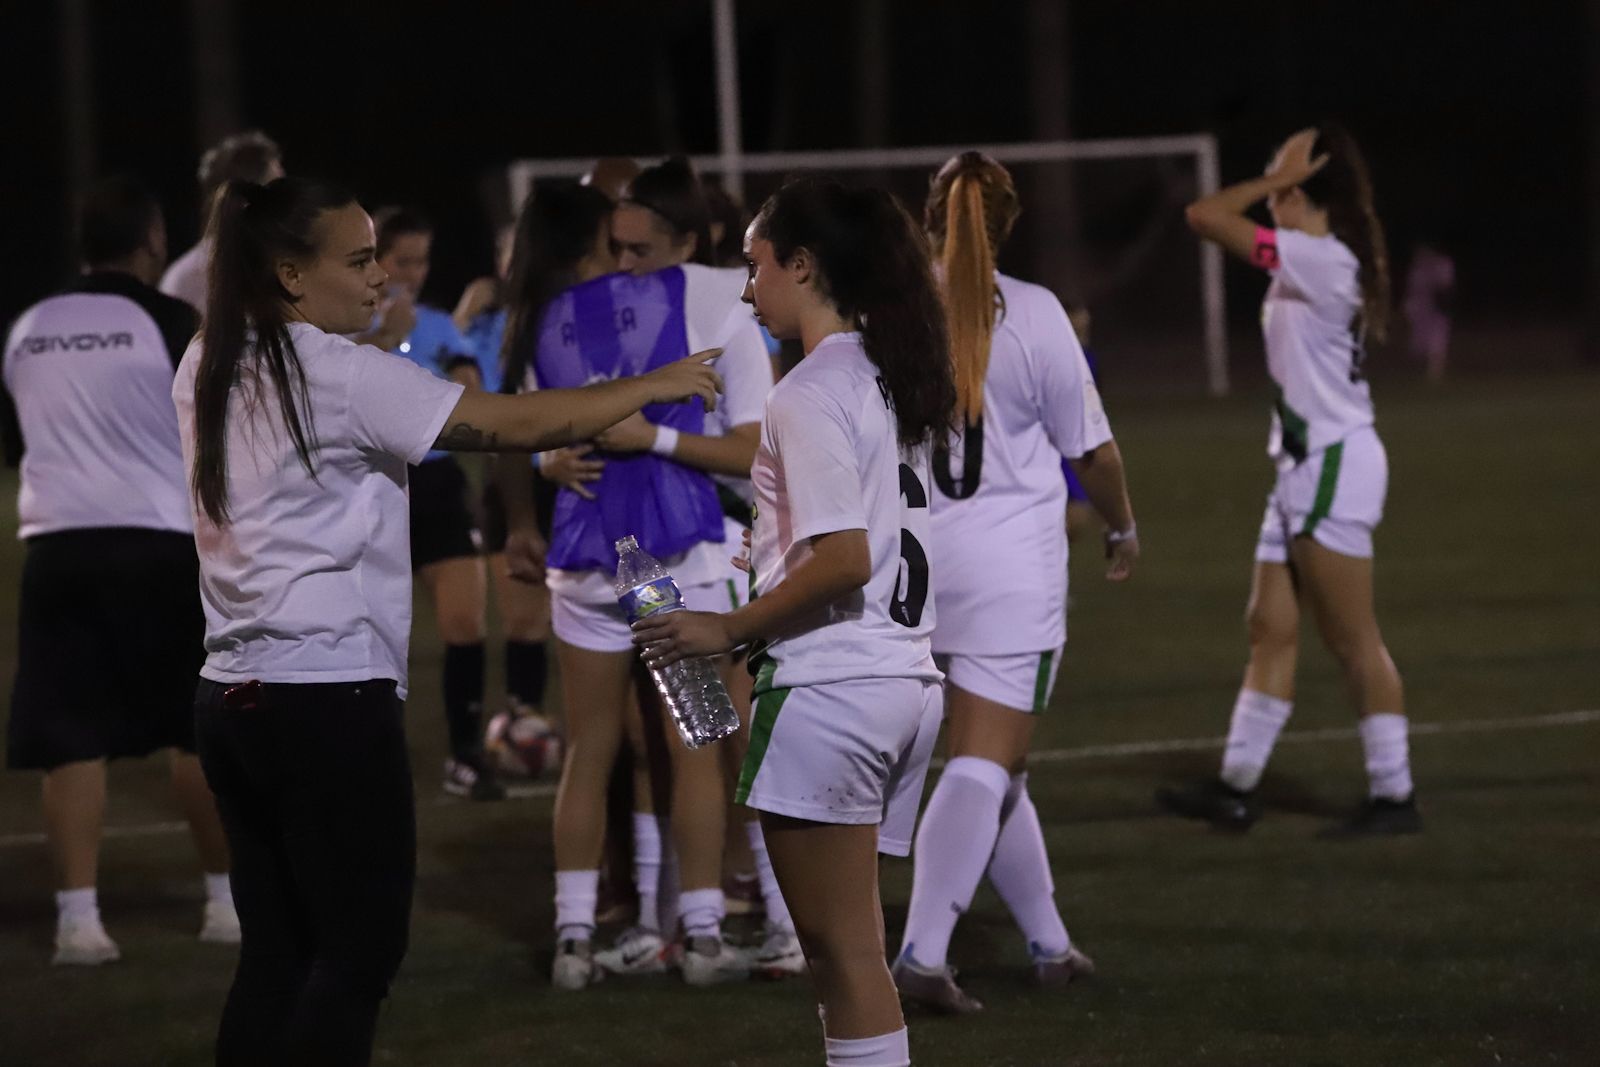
[(1329, 294), (847, 694), (1026, 399)]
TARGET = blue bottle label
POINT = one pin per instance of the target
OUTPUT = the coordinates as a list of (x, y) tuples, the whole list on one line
[(650, 597)]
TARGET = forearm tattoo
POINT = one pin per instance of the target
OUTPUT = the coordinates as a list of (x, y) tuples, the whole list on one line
[(465, 437)]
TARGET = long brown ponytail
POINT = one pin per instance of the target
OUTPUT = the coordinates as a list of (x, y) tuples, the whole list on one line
[(1343, 188), (972, 205), (245, 338)]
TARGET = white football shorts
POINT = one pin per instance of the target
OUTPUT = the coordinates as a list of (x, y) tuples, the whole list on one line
[(1334, 497), (850, 753), (1023, 681)]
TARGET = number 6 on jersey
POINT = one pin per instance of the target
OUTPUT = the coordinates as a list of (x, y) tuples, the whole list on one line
[(906, 609)]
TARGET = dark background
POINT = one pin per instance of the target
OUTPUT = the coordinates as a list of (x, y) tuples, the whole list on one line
[(1476, 116)]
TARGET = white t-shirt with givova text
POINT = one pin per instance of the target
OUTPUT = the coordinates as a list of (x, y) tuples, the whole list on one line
[(310, 581)]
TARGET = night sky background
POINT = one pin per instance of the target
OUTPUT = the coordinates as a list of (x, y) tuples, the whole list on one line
[(1475, 116)]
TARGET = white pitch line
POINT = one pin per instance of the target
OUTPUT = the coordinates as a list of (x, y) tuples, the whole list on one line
[(1553, 720)]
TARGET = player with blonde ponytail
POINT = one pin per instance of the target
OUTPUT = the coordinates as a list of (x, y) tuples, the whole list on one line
[(998, 513)]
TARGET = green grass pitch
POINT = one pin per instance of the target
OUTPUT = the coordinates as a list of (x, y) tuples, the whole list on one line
[(1477, 943)]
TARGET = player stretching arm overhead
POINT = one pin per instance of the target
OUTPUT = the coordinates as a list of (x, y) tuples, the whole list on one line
[(1329, 294)]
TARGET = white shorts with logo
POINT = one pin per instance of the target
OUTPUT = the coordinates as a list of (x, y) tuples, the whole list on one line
[(1024, 681), (1334, 497), (851, 753), (602, 627)]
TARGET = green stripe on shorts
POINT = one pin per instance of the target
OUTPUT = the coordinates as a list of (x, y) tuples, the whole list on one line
[(769, 702), (1326, 484), (733, 594), (1041, 684)]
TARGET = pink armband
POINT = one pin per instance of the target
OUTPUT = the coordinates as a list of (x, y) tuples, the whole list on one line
[(1265, 252)]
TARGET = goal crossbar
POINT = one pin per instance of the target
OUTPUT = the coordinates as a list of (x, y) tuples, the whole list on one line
[(1202, 146)]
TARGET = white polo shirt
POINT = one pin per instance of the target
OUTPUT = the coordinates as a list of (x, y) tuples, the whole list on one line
[(311, 579)]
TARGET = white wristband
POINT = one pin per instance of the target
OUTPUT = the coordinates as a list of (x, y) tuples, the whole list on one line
[(666, 442), (1116, 537)]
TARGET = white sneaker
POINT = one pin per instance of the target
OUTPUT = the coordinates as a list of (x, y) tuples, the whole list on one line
[(574, 966), (84, 943), (779, 955), (221, 923), (712, 961), (637, 951)]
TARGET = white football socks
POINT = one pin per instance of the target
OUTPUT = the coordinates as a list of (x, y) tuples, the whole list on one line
[(1252, 733), (577, 893), (1383, 739), (647, 868), (219, 889), (77, 906), (1020, 873), (771, 895), (953, 847), (701, 911), (885, 1050)]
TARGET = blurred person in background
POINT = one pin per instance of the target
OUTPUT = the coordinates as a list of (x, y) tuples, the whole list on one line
[(611, 175), (445, 545), (1328, 298), (663, 220), (524, 607), (250, 157), (1429, 304), (110, 630), (1026, 399), (698, 307)]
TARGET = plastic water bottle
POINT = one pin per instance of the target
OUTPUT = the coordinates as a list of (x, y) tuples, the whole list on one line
[(691, 688)]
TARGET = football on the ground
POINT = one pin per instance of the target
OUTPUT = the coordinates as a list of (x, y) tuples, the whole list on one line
[(523, 746)]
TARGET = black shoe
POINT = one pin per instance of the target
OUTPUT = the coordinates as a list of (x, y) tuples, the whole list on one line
[(1212, 801), (1378, 817), (470, 777)]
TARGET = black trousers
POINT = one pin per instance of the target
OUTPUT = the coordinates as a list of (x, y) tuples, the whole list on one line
[(314, 788)]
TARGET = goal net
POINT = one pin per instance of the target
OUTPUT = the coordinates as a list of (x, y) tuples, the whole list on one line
[(1101, 225)]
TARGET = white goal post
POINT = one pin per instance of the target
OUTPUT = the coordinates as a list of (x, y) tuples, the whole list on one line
[(1201, 147)]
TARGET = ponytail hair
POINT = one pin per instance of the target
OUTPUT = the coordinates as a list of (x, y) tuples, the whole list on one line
[(557, 227), (972, 205), (874, 268), (244, 339), (1343, 188)]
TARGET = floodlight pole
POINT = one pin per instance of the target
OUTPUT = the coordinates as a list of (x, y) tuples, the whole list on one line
[(1211, 292), (725, 41)]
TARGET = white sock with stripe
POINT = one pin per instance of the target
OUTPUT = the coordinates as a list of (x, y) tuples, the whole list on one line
[(647, 868), (1252, 732), (885, 1050), (953, 847), (771, 895), (1383, 739), (1020, 873), (577, 893)]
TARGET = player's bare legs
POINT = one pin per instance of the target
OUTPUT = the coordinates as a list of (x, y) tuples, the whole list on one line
[(1338, 592), (1272, 619), (74, 797), (1263, 706), (829, 875)]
